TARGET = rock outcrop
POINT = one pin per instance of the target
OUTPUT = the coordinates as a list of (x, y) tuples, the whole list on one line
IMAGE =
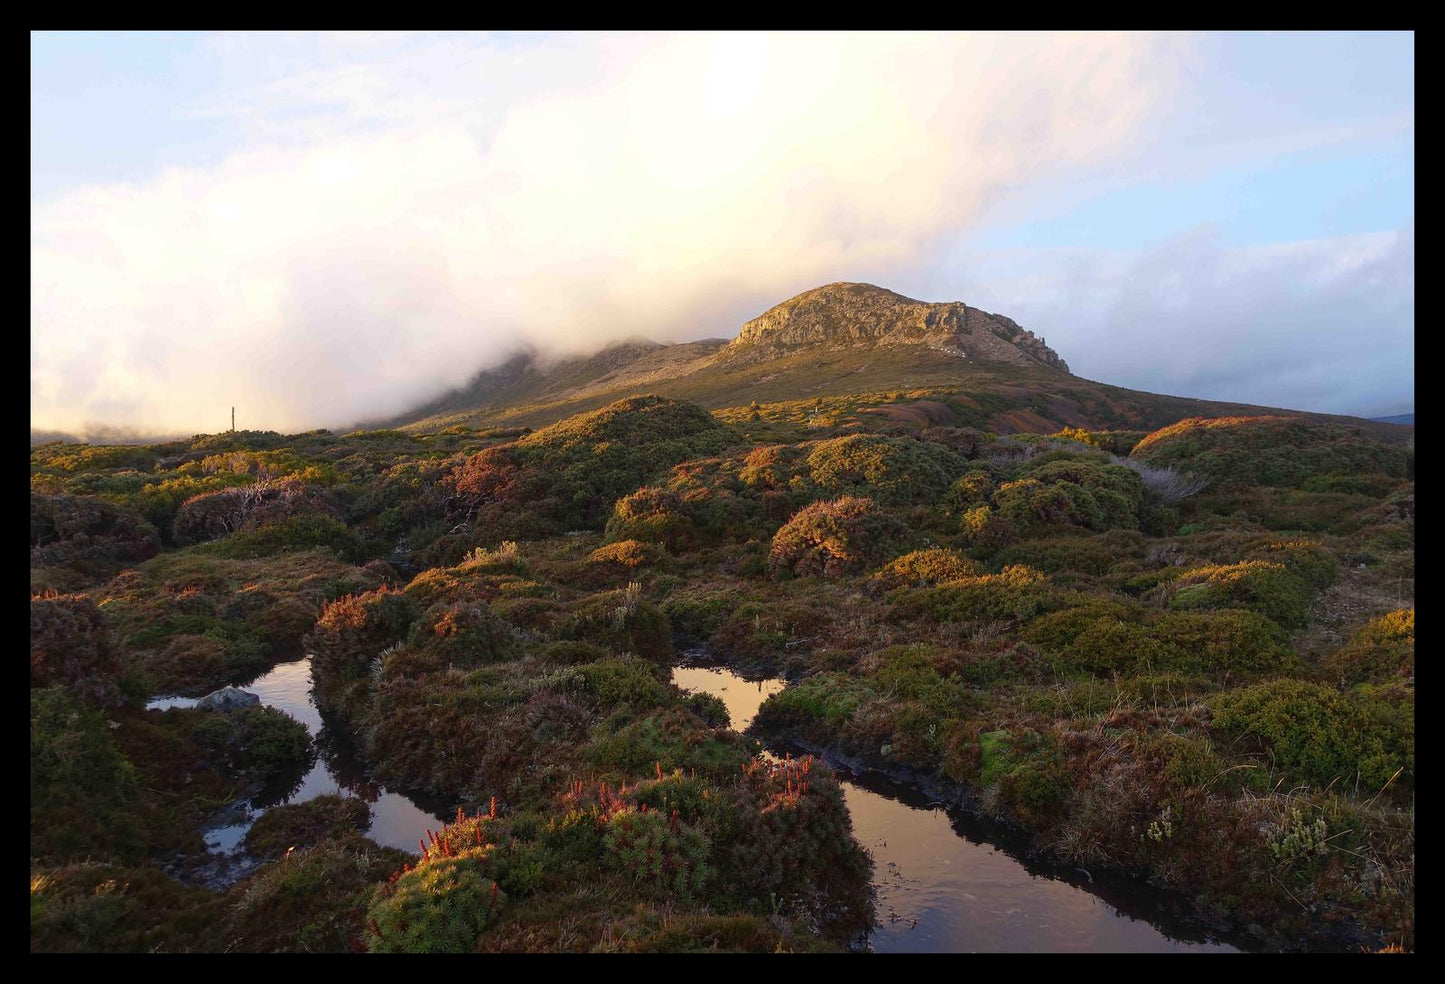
[(862, 314)]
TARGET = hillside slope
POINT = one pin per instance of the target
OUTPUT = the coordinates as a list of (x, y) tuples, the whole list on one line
[(841, 340)]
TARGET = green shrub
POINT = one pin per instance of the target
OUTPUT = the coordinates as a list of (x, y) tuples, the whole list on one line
[(1056, 631), (923, 567), (1381, 651), (1271, 589), (1275, 451), (892, 471), (659, 854), (1014, 593), (295, 825), (293, 533), (1314, 734), (71, 645), (260, 740), (87, 535), (80, 785), (653, 515), (1236, 643), (833, 538), (625, 680), (313, 900), (463, 634), (440, 906), (354, 629)]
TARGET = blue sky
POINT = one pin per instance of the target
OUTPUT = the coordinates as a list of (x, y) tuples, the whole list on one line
[(1226, 216)]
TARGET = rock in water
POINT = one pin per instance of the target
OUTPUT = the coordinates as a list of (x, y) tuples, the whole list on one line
[(227, 699)]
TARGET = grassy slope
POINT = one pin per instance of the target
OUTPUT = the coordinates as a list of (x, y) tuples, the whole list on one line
[(1009, 398)]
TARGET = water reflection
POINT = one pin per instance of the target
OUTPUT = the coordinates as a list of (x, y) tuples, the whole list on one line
[(397, 820), (946, 883)]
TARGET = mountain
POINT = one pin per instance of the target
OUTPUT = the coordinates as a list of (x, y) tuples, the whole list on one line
[(1399, 418), (841, 315), (856, 342)]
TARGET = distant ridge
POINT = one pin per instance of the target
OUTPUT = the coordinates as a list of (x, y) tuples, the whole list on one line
[(1399, 418), (859, 342)]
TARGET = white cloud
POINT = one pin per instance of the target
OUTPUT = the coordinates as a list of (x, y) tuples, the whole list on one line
[(1324, 325), (407, 212)]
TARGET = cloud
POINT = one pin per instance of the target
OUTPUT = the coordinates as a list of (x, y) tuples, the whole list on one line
[(405, 211), (1325, 325)]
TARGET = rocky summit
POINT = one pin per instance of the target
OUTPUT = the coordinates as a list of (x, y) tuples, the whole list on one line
[(864, 315)]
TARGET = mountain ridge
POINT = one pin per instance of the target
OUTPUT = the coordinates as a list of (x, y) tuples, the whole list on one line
[(839, 340)]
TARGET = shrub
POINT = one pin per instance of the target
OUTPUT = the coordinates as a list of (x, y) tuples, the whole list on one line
[(80, 785), (1231, 642), (625, 680), (653, 515), (627, 554), (353, 629), (1377, 486), (1314, 734), (260, 740), (250, 507), (923, 567), (1276, 451), (793, 839), (570, 474), (1237, 643), (1063, 492), (301, 532), (974, 489), (462, 634), (1381, 651), (70, 645), (1056, 631), (1014, 593), (893, 471), (1091, 555), (294, 825), (832, 538), (442, 905), (659, 854), (1269, 588), (313, 900), (621, 621), (87, 535), (987, 531), (101, 908)]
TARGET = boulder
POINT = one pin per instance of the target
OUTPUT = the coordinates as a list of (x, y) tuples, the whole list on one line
[(227, 699)]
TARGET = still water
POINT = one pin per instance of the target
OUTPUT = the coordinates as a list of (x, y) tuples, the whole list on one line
[(396, 820), (942, 889), (941, 885)]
